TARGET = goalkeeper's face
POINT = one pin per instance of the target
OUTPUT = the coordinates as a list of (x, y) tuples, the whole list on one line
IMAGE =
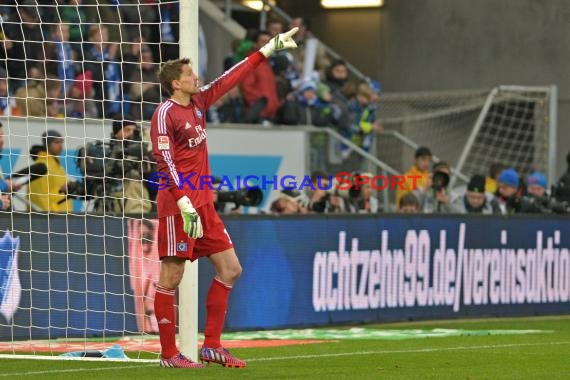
[(188, 82)]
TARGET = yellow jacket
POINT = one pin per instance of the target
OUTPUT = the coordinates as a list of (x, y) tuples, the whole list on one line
[(44, 191), (409, 184), (490, 185)]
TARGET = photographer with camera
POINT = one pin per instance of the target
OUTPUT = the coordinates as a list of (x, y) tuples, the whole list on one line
[(362, 201), (129, 163), (508, 191), (114, 171), (476, 200), (536, 185), (323, 201), (434, 197), (287, 205), (537, 199), (230, 201), (512, 201)]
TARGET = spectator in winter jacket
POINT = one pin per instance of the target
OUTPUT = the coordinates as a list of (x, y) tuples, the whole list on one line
[(48, 192), (306, 108), (536, 184), (475, 200), (258, 87), (364, 124), (420, 168)]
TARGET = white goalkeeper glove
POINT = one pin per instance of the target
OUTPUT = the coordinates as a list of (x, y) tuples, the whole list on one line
[(280, 42), (192, 222)]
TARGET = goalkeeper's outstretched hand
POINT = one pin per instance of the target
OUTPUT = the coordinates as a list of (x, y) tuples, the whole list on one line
[(192, 222), (280, 42)]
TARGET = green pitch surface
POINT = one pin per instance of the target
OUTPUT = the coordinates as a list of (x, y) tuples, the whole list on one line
[(537, 355)]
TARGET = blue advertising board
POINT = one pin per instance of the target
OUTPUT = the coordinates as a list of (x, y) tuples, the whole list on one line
[(73, 272), (71, 277), (314, 271)]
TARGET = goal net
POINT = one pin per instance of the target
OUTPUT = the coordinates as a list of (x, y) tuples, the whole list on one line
[(83, 277), (472, 130), (79, 82)]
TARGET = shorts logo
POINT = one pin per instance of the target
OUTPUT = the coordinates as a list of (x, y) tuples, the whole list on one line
[(181, 247), (163, 143)]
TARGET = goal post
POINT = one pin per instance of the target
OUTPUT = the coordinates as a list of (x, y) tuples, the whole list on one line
[(83, 278), (188, 290), (516, 127)]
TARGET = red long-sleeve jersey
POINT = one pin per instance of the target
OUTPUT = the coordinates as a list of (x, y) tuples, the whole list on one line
[(178, 136)]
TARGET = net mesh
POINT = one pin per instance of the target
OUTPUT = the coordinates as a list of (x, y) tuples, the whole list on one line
[(514, 130), (85, 278)]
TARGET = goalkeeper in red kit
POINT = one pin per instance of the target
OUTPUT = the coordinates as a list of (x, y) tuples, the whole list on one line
[(189, 227)]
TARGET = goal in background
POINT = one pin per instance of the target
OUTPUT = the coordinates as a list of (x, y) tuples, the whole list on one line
[(84, 278), (471, 130)]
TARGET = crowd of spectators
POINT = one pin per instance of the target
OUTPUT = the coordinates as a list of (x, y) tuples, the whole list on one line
[(66, 61), (59, 64), (282, 91)]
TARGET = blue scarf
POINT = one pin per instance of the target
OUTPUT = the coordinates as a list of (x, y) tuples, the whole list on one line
[(65, 69), (113, 85), (165, 28), (111, 81)]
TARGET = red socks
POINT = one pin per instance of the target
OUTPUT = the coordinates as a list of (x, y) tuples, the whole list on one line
[(216, 307), (166, 318)]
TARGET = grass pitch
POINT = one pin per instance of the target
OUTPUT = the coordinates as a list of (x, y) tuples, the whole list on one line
[(534, 356)]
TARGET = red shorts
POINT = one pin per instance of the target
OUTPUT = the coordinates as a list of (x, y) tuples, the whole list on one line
[(173, 241)]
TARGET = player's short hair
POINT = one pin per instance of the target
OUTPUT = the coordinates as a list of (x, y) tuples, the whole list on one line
[(170, 71)]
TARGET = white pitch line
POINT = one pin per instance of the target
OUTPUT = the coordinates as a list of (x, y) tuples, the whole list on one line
[(419, 350), (70, 370), (80, 359), (358, 353)]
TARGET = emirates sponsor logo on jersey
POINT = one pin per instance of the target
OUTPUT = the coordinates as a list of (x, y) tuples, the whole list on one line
[(200, 136)]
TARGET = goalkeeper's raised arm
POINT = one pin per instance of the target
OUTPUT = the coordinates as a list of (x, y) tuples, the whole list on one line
[(211, 92)]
